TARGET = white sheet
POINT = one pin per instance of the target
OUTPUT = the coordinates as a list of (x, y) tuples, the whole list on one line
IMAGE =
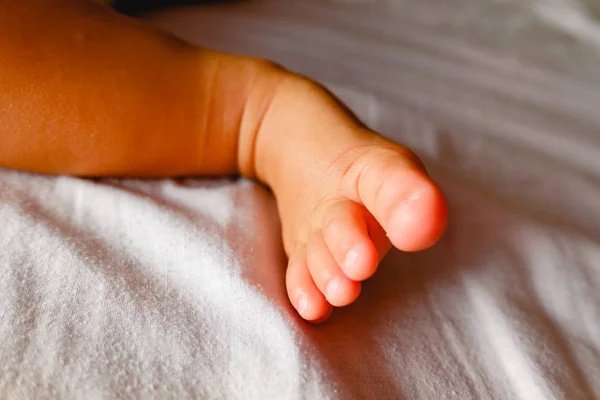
[(174, 289)]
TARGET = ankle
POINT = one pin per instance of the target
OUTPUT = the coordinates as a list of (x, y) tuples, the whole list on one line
[(258, 147)]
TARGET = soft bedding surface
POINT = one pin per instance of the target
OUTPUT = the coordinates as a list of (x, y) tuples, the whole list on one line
[(174, 288)]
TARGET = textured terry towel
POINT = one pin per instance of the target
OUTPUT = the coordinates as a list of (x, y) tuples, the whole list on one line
[(174, 289)]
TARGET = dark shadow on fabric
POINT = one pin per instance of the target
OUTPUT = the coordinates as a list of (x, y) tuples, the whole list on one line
[(138, 7)]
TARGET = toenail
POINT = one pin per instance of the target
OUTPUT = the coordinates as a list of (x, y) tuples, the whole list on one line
[(406, 210), (332, 287), (350, 260), (413, 197), (302, 303)]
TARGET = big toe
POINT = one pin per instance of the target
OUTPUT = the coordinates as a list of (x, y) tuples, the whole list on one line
[(394, 187), (419, 220)]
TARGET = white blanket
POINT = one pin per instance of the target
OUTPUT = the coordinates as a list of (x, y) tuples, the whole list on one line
[(175, 289)]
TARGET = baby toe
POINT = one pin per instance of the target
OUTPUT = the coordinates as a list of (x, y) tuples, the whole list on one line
[(304, 295), (346, 233), (337, 288)]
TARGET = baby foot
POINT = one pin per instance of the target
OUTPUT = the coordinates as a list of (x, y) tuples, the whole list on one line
[(377, 196), (345, 196)]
